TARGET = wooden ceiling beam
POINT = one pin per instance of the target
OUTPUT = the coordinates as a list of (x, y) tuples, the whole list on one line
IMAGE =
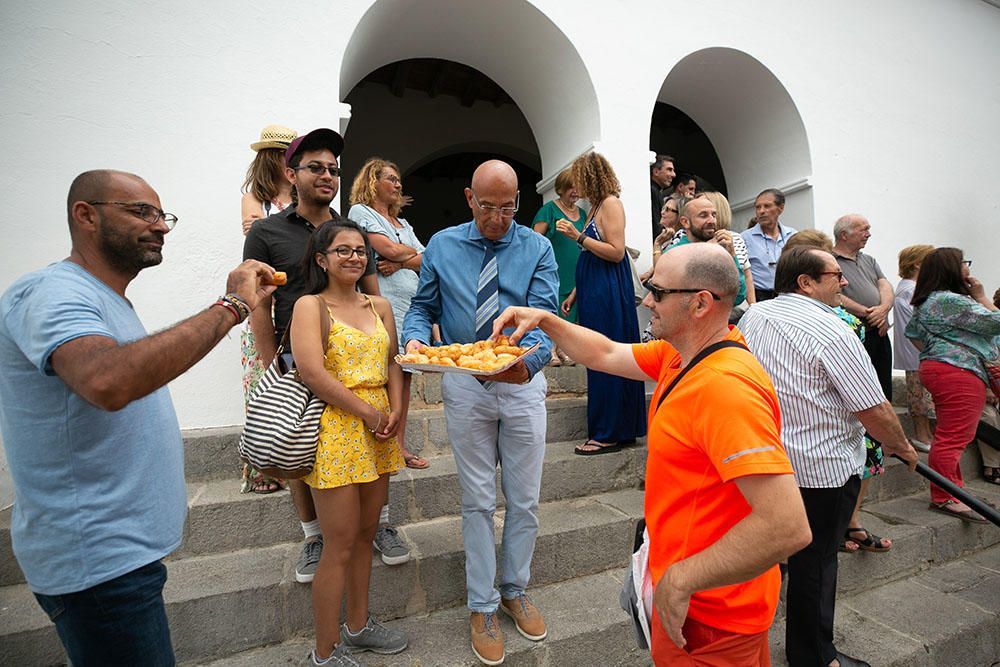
[(440, 76), (472, 88), (400, 74)]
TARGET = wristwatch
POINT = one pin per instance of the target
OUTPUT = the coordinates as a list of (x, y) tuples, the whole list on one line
[(580, 239)]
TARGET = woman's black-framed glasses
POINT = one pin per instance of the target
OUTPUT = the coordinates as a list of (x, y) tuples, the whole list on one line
[(660, 292), (344, 252), (967, 262)]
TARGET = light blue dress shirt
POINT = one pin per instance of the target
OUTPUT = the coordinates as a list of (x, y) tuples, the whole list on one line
[(449, 274), (764, 253)]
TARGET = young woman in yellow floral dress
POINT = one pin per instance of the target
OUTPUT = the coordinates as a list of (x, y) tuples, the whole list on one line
[(354, 372)]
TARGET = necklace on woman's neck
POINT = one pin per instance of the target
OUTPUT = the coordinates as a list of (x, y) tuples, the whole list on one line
[(568, 209)]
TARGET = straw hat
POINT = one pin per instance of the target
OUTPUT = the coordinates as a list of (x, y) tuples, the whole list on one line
[(274, 136)]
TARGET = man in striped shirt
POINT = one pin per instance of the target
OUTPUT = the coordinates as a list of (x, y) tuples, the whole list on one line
[(829, 395)]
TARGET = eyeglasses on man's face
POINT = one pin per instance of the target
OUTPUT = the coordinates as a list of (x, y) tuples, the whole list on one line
[(147, 212), (660, 292), (318, 169), (505, 211), (838, 274)]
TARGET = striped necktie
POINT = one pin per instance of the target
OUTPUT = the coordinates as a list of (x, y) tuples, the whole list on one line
[(487, 294)]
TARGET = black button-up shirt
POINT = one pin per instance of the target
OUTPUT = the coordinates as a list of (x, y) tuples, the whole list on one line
[(280, 240)]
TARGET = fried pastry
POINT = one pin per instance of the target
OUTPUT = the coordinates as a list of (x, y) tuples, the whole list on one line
[(482, 355)]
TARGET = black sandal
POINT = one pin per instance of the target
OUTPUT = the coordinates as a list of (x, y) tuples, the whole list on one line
[(991, 475), (871, 542)]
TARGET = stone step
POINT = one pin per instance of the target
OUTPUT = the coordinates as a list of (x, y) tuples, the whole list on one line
[(946, 616), (425, 389), (921, 539), (585, 626), (212, 453), (882, 624), (254, 591), (219, 604), (220, 518)]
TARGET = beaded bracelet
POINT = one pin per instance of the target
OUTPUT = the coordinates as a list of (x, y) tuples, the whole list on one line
[(235, 305), (240, 304)]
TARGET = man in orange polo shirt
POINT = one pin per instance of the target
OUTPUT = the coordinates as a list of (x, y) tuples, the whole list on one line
[(722, 507)]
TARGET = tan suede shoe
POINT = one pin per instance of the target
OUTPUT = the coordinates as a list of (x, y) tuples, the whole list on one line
[(487, 638), (527, 618)]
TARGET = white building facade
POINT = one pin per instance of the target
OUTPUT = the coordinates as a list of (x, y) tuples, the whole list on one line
[(888, 109)]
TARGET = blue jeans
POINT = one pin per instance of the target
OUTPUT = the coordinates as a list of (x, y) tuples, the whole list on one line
[(120, 622), (503, 424)]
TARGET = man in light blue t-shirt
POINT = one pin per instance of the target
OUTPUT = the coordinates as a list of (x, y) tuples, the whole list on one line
[(92, 441)]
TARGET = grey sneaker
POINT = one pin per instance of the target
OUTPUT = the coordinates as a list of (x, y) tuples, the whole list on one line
[(389, 544), (339, 658), (305, 568), (374, 637)]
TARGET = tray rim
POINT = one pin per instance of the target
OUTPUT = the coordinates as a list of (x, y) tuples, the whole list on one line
[(436, 368)]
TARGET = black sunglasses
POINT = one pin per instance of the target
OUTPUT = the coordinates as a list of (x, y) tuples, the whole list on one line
[(660, 292)]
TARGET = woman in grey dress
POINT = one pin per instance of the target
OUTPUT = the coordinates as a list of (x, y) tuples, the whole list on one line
[(377, 198)]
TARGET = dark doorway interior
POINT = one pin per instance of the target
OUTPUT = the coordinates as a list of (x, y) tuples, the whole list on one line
[(673, 132), (438, 191), (439, 120)]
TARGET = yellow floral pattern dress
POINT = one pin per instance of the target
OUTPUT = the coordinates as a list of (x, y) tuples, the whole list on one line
[(348, 452)]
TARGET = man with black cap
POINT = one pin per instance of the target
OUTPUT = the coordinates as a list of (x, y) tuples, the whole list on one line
[(280, 240)]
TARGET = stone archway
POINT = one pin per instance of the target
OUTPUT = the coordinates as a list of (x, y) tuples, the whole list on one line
[(501, 40), (754, 127)]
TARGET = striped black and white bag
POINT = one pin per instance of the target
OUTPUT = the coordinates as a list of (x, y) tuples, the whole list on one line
[(282, 421)]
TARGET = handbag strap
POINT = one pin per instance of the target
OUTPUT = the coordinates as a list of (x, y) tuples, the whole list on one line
[(714, 347), (324, 323)]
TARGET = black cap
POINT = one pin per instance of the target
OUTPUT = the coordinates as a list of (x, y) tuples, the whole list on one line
[(320, 138)]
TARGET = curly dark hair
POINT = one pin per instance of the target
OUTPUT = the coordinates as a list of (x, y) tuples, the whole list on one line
[(594, 178)]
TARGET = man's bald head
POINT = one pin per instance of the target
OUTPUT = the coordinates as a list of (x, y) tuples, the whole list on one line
[(493, 172), (704, 266), (94, 185), (493, 192)]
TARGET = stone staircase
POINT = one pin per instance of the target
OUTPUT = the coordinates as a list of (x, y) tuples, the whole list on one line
[(934, 599)]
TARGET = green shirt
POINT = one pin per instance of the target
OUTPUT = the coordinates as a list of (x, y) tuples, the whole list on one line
[(956, 330), (567, 251)]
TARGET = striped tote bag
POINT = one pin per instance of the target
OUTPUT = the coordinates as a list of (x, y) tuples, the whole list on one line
[(282, 424)]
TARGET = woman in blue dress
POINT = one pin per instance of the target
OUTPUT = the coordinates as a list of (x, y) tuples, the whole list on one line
[(605, 302)]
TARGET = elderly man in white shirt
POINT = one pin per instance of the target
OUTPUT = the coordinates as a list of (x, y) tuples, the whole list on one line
[(829, 396)]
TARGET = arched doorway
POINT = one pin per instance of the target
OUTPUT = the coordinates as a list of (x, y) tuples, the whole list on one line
[(672, 132), (501, 42), (753, 126), (438, 120)]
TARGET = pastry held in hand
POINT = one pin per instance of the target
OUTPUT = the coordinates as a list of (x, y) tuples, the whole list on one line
[(276, 278)]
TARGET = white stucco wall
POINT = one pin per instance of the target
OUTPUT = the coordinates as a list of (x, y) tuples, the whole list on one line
[(898, 101)]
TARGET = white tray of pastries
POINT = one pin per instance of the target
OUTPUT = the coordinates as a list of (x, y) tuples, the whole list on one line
[(484, 357)]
